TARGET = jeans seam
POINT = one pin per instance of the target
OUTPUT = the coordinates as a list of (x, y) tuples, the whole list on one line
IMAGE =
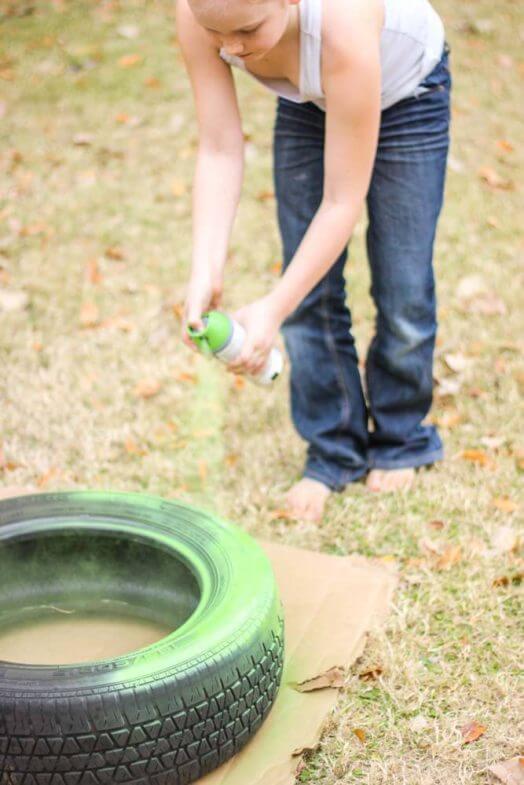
[(330, 342)]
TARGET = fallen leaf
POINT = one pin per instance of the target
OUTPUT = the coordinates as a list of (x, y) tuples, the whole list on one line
[(178, 187), (93, 273), (147, 388), (128, 61), (494, 180), (82, 139), (202, 470), (276, 268), (128, 31), (509, 772), (238, 382), (133, 449), (89, 314), (264, 196), (508, 580), (438, 525), (115, 253), (472, 731), (505, 61), (153, 82), (452, 554), (45, 478), (448, 387), (185, 376), (476, 456), (419, 723), (334, 677), (281, 515), (456, 362), (449, 419), (371, 674), (118, 322), (360, 734), (13, 300), (504, 504), (505, 146), (232, 459), (471, 286), (505, 540)]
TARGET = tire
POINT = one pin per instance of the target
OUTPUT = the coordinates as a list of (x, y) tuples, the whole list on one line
[(171, 712)]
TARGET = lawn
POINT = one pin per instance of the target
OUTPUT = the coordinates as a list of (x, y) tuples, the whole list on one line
[(98, 142)]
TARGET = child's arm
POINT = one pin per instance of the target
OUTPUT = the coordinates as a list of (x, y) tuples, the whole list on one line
[(219, 166), (351, 80)]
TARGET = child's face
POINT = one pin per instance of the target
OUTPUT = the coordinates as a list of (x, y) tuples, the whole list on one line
[(245, 29)]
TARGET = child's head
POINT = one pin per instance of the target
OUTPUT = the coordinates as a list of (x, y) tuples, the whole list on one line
[(247, 28)]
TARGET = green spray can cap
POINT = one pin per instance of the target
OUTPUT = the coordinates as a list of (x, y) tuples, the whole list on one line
[(216, 333)]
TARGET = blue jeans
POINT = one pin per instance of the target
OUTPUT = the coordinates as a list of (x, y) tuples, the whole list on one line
[(347, 434)]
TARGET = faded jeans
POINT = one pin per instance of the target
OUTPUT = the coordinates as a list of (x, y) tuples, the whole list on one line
[(348, 433)]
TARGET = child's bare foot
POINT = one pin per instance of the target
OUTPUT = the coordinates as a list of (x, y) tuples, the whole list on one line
[(390, 480), (306, 499)]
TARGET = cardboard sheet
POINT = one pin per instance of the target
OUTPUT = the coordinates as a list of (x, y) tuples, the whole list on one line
[(330, 603)]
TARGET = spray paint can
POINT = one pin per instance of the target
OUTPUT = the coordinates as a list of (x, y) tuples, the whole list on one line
[(224, 337)]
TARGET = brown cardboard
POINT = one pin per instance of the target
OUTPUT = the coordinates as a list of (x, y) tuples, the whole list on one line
[(330, 603)]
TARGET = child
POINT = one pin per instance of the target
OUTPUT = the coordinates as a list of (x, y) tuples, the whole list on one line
[(362, 115)]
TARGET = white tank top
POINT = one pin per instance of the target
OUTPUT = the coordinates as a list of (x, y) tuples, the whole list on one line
[(411, 44)]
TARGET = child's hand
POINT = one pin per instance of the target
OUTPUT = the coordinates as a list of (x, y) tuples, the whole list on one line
[(261, 321), (204, 293)]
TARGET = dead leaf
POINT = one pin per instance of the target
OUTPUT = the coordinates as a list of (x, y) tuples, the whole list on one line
[(281, 515), (147, 388), (133, 449), (45, 478), (472, 731), (438, 525), (115, 253), (264, 196), (504, 504), (471, 286), (448, 388), (419, 723), (494, 180), (452, 554), (238, 382), (128, 31), (334, 677), (128, 61), (153, 82), (178, 188), (118, 322), (371, 674), (448, 419), (360, 734), (509, 772), (505, 540), (89, 314), (202, 470), (82, 139), (476, 456), (93, 273), (13, 300), (508, 580), (505, 146), (185, 376), (456, 362)]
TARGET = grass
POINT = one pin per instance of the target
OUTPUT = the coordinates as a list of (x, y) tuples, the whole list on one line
[(108, 222)]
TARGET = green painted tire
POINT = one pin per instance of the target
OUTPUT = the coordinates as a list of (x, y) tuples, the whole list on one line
[(171, 712)]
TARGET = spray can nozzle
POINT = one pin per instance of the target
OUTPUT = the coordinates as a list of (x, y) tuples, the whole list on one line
[(223, 338)]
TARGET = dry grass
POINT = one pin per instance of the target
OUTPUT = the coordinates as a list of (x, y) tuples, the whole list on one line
[(71, 417)]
